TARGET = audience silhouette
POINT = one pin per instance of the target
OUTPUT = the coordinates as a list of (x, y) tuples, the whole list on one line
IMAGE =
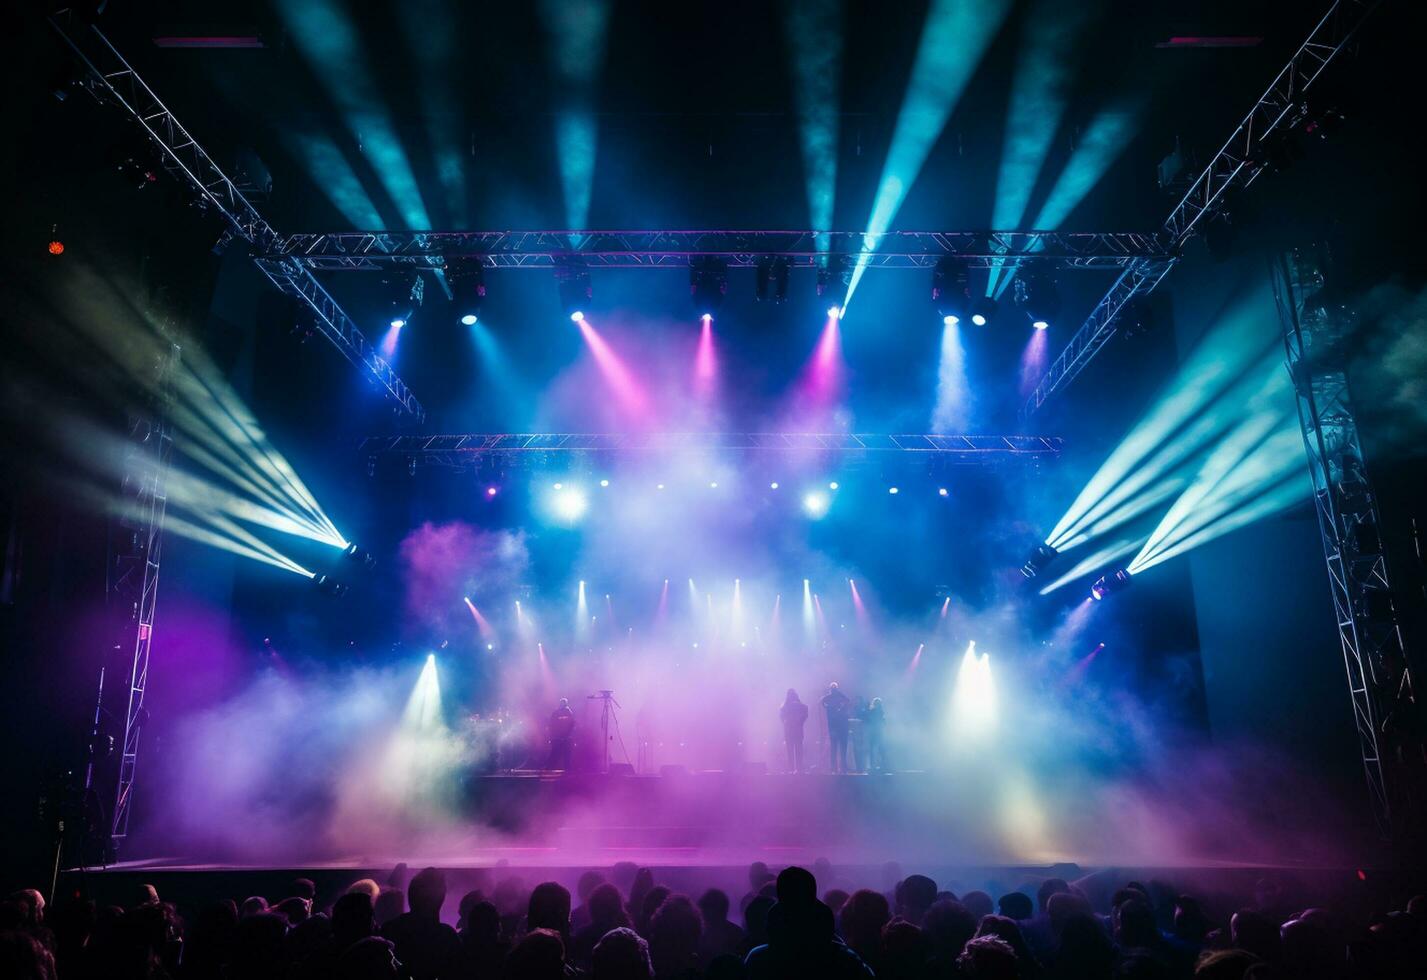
[(1143, 932)]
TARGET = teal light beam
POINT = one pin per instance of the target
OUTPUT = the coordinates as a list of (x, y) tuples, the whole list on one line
[(333, 174), (954, 38), (814, 30), (323, 32), (1050, 33), (577, 30), (431, 36)]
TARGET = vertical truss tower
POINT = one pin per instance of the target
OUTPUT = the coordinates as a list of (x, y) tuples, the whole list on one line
[(1317, 333), (135, 555)]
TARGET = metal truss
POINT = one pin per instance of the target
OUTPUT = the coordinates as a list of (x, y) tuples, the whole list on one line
[(1386, 714), (134, 578), (366, 251), (113, 81), (1282, 106), (475, 449), (1238, 163), (1137, 280)]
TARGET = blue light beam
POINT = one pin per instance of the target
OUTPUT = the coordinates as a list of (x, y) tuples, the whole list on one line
[(954, 37)]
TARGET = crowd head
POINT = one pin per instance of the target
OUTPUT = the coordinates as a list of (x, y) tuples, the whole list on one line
[(629, 926)]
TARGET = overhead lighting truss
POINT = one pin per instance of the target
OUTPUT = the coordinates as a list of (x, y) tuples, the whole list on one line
[(367, 251), (114, 82), (474, 449), (1238, 164)]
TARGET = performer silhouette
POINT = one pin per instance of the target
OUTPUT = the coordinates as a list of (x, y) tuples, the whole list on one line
[(794, 714), (874, 724), (562, 736), (838, 708)]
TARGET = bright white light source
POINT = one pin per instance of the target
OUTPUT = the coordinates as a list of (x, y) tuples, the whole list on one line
[(815, 503), (569, 504)]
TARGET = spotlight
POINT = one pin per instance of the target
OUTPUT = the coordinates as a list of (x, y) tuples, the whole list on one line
[(1106, 584), (406, 290), (708, 282), (364, 558), (836, 272), (771, 272), (329, 586), (576, 291), (949, 290), (941, 492), (490, 491), (468, 288), (983, 311), (1038, 295), (569, 505), (1041, 556), (816, 503), (773, 485), (834, 312), (893, 490), (833, 485), (604, 483)]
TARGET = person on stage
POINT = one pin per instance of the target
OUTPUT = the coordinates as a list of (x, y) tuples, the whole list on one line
[(794, 714), (839, 710), (874, 724), (562, 736)]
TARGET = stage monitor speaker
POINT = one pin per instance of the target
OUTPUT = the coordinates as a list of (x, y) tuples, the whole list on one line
[(621, 769)]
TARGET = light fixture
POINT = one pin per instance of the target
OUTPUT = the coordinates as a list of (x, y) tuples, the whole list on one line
[(949, 290), (467, 279), (708, 283), (983, 311), (771, 275), (364, 558), (576, 290), (1041, 556), (1106, 584), (329, 586), (407, 290), (1038, 296)]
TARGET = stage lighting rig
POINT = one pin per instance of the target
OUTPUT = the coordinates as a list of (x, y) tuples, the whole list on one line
[(983, 311), (708, 283), (1106, 584), (576, 290), (408, 290), (950, 292), (467, 278), (771, 273), (1038, 295), (1040, 556), (364, 558), (329, 586)]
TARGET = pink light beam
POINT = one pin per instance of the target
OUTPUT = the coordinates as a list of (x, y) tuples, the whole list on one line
[(861, 610), (1033, 359), (482, 624), (705, 360), (622, 383)]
